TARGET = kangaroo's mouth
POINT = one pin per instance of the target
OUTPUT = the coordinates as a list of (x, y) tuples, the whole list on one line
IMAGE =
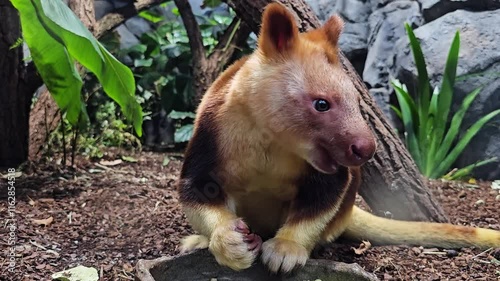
[(322, 160)]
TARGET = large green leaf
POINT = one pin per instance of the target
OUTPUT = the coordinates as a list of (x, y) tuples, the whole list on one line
[(57, 23), (52, 62), (462, 143), (424, 86), (446, 93), (466, 171), (408, 112), (431, 142), (455, 124)]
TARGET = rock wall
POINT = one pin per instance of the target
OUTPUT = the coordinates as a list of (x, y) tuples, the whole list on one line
[(375, 40)]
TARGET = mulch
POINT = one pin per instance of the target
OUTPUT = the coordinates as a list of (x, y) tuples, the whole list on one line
[(108, 217)]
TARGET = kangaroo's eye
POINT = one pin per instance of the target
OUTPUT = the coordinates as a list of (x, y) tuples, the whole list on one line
[(321, 105)]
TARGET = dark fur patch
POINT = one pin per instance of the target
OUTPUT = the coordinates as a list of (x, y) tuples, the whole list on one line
[(318, 193), (201, 181), (350, 195), (198, 183)]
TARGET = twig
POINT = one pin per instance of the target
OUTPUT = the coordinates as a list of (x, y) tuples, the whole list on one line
[(38, 245), (63, 140), (434, 253), (111, 169), (482, 253), (75, 137)]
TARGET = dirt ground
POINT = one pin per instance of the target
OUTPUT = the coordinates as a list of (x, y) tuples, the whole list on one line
[(108, 216)]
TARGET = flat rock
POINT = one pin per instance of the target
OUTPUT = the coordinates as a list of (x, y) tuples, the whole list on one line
[(201, 266)]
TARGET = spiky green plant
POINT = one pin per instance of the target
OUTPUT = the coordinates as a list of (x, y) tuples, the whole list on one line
[(429, 137)]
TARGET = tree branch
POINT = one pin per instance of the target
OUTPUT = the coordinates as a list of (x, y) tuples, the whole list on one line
[(192, 29), (235, 35), (112, 20)]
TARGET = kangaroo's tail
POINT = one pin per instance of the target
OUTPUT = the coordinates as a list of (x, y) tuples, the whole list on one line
[(383, 231)]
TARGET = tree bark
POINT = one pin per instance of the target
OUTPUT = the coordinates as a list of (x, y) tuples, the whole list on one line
[(391, 180), (14, 99)]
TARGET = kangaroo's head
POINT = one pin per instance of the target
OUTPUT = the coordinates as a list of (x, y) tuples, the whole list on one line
[(300, 92)]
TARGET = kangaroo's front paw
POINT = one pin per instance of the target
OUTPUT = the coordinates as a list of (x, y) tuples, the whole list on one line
[(234, 246), (283, 255), (193, 242)]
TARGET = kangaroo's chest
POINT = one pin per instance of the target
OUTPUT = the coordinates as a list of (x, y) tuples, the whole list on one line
[(262, 200), (263, 212)]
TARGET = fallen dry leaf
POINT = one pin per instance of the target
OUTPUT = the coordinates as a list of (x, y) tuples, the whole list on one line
[(127, 267), (31, 202), (363, 247), (495, 185), (44, 222), (111, 163)]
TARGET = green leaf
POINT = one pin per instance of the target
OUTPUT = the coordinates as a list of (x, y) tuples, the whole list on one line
[(430, 141), (181, 115), (129, 159), (57, 23), (397, 111), (139, 49), (151, 16), (211, 3), (446, 93), (175, 11), (79, 273), (456, 123), (52, 61), (184, 133), (166, 160), (466, 171), (424, 87), (143, 62), (462, 143), (408, 112)]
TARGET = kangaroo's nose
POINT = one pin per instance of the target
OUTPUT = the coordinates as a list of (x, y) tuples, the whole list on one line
[(361, 150)]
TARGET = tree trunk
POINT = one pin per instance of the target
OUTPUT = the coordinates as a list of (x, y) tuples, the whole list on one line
[(391, 180), (14, 101)]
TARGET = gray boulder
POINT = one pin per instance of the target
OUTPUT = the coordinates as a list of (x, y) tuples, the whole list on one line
[(387, 26), (355, 14), (433, 9), (378, 4), (201, 266), (479, 53)]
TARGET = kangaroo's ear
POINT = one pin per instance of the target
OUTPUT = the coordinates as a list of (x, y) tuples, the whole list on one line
[(332, 28), (278, 32)]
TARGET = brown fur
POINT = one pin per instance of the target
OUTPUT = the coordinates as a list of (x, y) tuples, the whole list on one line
[(262, 154)]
